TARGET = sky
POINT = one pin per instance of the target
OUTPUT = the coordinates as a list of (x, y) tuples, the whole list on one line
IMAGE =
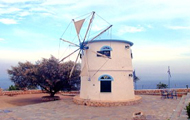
[(160, 30)]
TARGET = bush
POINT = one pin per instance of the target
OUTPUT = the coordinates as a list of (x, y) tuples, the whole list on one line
[(13, 87), (188, 110), (161, 86)]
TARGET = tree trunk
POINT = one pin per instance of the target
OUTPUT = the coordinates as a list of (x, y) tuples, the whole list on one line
[(52, 94)]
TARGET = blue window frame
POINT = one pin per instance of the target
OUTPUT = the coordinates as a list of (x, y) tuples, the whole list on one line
[(105, 83), (105, 50), (105, 77)]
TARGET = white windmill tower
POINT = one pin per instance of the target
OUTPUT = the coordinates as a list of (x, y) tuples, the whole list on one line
[(106, 70)]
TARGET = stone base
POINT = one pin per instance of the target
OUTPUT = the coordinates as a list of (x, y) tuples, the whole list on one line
[(98, 103)]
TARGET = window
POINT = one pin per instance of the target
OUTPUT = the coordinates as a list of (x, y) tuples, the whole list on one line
[(105, 83), (105, 50), (107, 53), (105, 86)]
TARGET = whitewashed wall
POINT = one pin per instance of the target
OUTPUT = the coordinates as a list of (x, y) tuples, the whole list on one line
[(119, 67)]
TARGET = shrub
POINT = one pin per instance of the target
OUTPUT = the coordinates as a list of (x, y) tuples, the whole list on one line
[(161, 86), (188, 110), (13, 87)]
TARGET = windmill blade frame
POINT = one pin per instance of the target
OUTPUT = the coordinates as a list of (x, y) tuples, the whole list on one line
[(69, 55), (83, 44), (91, 20), (69, 42), (100, 33), (71, 72)]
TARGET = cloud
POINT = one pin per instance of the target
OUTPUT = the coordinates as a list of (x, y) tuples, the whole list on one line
[(25, 13), (1, 39), (186, 54), (7, 10), (8, 21), (130, 29), (149, 26), (96, 28), (179, 27), (126, 10), (58, 2), (25, 55), (34, 55), (16, 1), (159, 52), (144, 10), (1, 5), (39, 10)]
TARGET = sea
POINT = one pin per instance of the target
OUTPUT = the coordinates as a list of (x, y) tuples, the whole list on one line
[(5, 83), (152, 84), (140, 84)]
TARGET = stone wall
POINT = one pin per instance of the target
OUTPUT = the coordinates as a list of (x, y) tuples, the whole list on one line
[(99, 103), (180, 91), (19, 92)]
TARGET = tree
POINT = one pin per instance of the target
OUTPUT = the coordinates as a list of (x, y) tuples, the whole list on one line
[(21, 75), (49, 74), (161, 85)]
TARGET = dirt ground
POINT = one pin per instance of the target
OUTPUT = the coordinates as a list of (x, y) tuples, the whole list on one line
[(21, 100)]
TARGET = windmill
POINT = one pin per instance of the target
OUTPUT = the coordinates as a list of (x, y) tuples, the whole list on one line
[(106, 67), (83, 42)]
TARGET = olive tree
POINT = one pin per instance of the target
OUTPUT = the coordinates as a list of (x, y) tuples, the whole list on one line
[(21, 75), (49, 74)]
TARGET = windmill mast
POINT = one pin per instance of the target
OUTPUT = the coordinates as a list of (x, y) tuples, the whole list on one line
[(89, 25)]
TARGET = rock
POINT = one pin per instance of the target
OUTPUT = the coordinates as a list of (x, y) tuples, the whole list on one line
[(139, 116)]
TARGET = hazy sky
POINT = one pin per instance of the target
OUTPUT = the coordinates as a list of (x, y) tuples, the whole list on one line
[(159, 29)]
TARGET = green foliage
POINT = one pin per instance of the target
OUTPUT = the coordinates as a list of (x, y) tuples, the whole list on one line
[(161, 86), (49, 74), (188, 110), (13, 87), (21, 75)]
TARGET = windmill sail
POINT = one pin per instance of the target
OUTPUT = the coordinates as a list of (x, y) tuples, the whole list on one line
[(83, 46), (78, 25)]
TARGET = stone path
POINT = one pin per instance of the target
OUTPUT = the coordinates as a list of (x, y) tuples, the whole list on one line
[(152, 106), (180, 112)]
